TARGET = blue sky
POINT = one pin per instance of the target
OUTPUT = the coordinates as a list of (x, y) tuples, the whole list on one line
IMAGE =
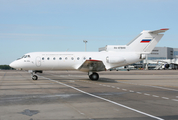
[(61, 25)]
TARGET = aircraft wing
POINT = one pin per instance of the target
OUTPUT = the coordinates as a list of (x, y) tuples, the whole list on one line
[(92, 66)]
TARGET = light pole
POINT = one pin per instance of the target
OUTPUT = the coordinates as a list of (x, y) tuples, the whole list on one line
[(85, 44)]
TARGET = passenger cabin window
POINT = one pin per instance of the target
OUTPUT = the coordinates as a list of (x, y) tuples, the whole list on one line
[(66, 58), (54, 58), (48, 58), (72, 58), (42, 58), (60, 58), (78, 58)]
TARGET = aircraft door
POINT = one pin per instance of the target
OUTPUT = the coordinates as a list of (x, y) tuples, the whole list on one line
[(38, 61)]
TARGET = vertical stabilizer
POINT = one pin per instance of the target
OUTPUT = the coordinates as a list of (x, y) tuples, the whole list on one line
[(146, 41)]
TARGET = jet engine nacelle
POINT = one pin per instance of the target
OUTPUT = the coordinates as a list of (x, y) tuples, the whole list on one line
[(166, 66), (114, 59)]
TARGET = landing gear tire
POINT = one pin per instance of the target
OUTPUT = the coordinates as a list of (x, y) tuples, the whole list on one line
[(94, 76), (34, 77)]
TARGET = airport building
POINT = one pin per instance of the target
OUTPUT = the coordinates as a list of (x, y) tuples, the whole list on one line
[(162, 53), (167, 55)]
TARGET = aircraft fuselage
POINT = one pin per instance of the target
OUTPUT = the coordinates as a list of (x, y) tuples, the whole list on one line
[(72, 60)]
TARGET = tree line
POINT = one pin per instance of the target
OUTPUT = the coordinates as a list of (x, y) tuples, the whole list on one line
[(5, 67)]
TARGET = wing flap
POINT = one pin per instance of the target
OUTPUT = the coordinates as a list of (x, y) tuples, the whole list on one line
[(92, 66)]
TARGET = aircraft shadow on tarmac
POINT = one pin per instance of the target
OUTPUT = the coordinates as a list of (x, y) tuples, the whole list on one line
[(108, 80)]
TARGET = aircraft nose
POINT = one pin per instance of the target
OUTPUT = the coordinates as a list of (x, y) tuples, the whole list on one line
[(13, 64)]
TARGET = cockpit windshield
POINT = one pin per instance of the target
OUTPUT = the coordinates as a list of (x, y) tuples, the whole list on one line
[(24, 56)]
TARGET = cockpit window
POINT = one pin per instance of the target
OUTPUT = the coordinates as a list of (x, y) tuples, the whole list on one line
[(23, 56), (26, 56)]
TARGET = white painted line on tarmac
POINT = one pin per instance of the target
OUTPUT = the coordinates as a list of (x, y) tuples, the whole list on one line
[(155, 96), (175, 100), (143, 113), (165, 98), (146, 94), (139, 92), (164, 88), (151, 86), (131, 91), (124, 89)]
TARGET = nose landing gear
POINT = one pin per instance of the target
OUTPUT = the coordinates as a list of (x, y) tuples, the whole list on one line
[(34, 77)]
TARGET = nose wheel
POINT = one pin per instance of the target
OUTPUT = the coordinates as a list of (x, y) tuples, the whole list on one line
[(93, 76), (34, 77)]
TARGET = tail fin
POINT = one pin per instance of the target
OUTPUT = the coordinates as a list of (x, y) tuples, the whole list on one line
[(146, 41)]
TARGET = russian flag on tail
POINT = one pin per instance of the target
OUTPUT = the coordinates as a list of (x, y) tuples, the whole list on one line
[(145, 40)]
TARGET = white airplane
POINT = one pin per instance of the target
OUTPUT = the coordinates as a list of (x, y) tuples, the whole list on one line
[(164, 63), (91, 62)]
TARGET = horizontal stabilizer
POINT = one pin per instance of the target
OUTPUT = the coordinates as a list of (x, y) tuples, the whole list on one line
[(159, 31)]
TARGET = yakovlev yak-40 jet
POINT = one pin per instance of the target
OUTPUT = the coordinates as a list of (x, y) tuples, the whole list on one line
[(91, 62)]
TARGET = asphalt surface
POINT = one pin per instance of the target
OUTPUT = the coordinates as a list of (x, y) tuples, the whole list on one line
[(70, 95)]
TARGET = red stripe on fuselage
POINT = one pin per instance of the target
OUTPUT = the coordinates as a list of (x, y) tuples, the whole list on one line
[(145, 41)]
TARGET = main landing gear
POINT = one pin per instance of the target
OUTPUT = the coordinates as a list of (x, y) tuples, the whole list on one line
[(93, 76)]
